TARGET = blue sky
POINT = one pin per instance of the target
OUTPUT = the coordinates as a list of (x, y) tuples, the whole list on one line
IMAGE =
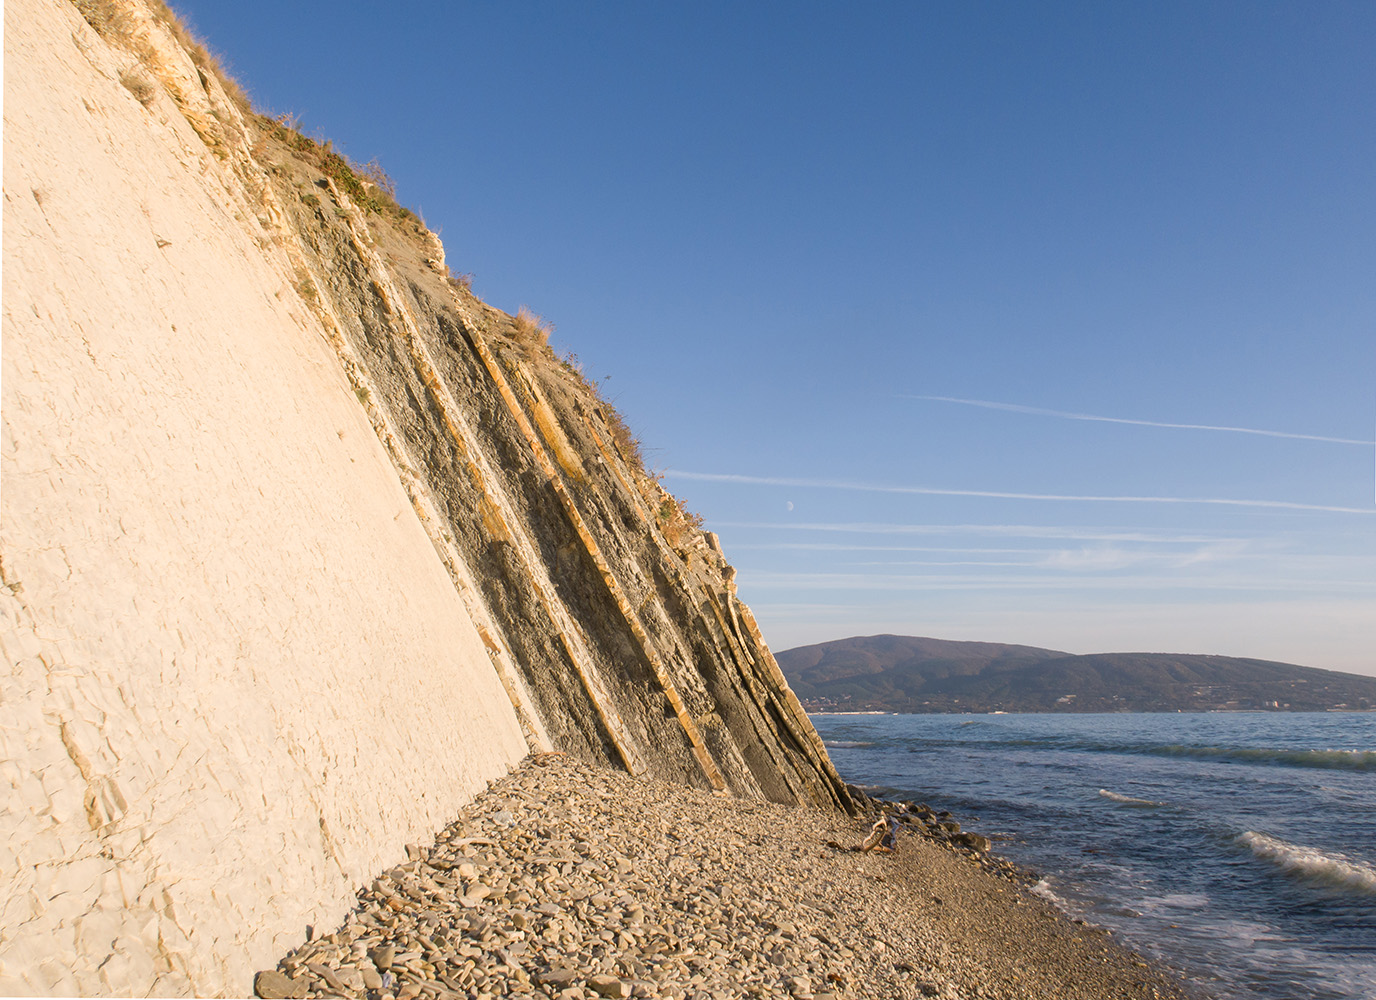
[(805, 244)]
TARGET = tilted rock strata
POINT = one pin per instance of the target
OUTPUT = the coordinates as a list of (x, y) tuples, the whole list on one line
[(636, 651)]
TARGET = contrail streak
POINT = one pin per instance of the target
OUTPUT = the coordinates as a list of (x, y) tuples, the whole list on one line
[(834, 484), (1003, 530), (1038, 411)]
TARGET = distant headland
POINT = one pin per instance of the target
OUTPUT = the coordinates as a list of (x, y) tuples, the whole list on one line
[(895, 673)]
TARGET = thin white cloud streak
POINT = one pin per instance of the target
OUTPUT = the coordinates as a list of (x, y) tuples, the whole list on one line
[(839, 582), (1001, 530), (836, 547), (1020, 564), (840, 484), (1038, 411), (1098, 557), (1108, 561)]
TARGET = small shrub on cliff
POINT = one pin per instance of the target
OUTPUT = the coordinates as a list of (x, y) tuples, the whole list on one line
[(676, 520)]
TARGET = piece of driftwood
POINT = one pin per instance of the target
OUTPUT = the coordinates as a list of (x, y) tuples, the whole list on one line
[(883, 836)]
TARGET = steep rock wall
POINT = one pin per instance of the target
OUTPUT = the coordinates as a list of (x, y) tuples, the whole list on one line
[(240, 680), (299, 541)]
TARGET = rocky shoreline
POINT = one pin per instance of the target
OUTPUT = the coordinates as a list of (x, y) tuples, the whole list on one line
[(572, 881)]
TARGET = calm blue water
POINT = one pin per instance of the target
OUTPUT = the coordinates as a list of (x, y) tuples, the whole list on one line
[(1239, 848)]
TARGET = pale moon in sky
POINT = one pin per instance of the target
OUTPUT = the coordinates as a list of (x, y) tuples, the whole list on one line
[(789, 504)]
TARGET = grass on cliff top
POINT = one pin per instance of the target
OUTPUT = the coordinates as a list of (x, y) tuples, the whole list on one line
[(118, 27), (367, 184)]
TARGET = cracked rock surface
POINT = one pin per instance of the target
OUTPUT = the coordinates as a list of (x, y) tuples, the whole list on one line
[(573, 881)]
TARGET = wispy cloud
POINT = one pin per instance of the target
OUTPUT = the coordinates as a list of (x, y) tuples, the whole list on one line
[(1039, 411), (838, 582), (839, 484), (1096, 559), (837, 547), (1000, 530), (1109, 558)]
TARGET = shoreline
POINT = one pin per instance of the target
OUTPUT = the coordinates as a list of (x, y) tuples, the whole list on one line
[(574, 881)]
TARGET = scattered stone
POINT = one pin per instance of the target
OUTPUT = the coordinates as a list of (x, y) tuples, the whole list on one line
[(612, 886), (273, 985), (609, 986), (973, 841), (557, 977)]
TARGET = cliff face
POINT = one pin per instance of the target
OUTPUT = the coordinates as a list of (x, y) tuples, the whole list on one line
[(300, 542)]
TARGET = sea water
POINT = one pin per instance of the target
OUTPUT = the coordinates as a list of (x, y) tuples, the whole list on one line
[(1238, 848)]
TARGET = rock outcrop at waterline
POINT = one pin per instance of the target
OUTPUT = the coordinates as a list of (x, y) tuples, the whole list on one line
[(300, 543)]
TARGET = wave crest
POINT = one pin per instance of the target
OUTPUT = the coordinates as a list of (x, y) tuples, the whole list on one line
[(1128, 800), (1310, 862), (1341, 760)]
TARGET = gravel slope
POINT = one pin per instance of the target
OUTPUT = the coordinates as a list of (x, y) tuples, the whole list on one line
[(567, 880)]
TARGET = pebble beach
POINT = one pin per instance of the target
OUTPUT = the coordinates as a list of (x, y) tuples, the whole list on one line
[(573, 881)]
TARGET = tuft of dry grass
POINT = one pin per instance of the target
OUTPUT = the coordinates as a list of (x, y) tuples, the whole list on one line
[(137, 83), (373, 172), (622, 436), (625, 440), (531, 332), (674, 519)]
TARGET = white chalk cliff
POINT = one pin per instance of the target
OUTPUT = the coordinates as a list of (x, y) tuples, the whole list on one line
[(300, 543)]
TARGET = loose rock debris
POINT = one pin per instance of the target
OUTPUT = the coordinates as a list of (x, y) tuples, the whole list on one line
[(567, 880)]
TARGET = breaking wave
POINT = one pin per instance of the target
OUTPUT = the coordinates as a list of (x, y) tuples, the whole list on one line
[(1341, 760), (1043, 890), (1330, 759), (847, 744), (1128, 800), (1312, 863)]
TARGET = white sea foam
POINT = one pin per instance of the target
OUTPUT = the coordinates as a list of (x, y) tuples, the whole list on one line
[(1310, 862), (1044, 890), (1172, 903), (1128, 800), (847, 744)]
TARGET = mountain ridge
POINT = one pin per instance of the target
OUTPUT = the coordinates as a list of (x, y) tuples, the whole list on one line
[(919, 674)]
